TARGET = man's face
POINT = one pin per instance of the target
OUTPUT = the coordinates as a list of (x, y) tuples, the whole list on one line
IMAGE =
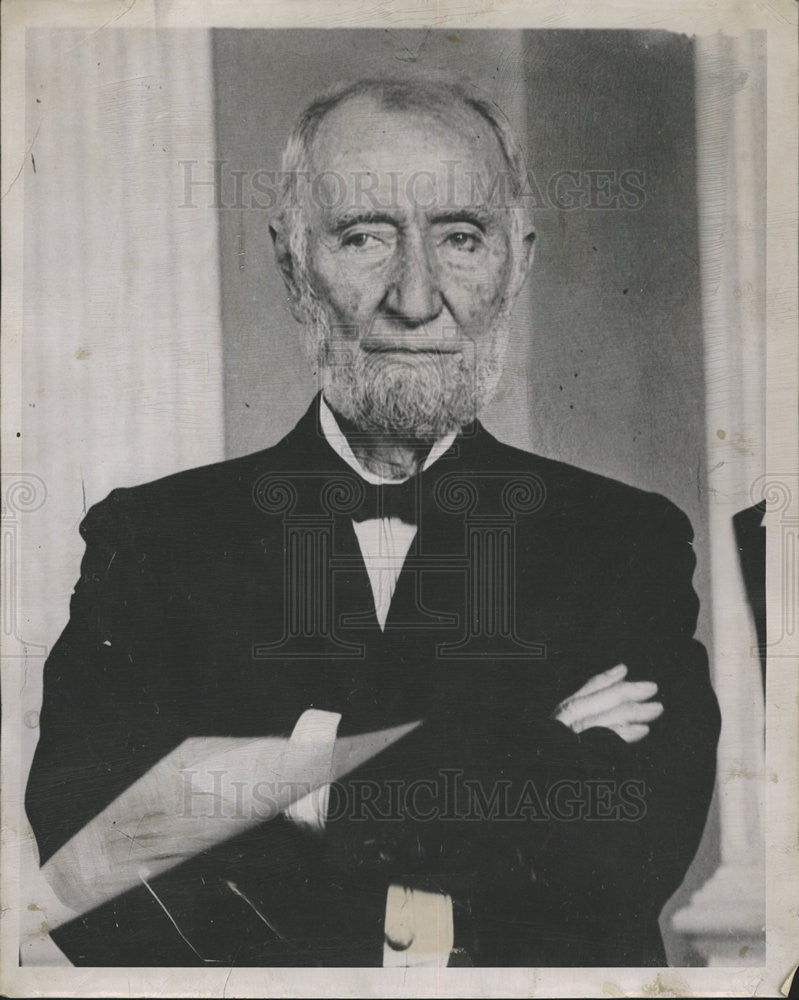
[(412, 263)]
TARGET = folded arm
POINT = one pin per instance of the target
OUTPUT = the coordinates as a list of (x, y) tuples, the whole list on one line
[(596, 794), (120, 788), (203, 793), (105, 811)]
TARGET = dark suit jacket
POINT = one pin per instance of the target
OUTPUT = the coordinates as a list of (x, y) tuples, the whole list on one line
[(227, 600)]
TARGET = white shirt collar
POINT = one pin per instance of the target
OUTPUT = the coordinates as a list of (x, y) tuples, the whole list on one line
[(338, 442)]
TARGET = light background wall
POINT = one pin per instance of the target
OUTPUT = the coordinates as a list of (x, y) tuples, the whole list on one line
[(605, 367)]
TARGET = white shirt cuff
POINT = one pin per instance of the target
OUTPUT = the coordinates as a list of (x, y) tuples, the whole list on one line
[(419, 929), (315, 729)]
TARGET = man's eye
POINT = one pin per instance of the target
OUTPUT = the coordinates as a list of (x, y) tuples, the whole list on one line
[(361, 241), (463, 241)]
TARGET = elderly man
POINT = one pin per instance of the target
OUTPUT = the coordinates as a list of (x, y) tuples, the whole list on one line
[(390, 692)]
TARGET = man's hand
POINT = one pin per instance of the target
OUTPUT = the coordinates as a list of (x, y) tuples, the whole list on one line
[(610, 701)]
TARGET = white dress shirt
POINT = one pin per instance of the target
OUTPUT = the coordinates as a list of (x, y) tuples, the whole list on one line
[(384, 541), (419, 929)]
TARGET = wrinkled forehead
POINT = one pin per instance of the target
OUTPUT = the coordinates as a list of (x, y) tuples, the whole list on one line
[(367, 155)]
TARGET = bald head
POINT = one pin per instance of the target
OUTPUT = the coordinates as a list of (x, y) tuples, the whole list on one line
[(457, 104)]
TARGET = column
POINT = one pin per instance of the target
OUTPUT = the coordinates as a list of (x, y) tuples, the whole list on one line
[(725, 918)]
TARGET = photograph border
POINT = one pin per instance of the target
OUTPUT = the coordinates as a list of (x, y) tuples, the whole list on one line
[(778, 19)]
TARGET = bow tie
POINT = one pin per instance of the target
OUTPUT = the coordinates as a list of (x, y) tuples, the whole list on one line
[(389, 500)]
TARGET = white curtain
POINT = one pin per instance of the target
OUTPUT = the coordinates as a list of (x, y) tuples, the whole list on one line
[(121, 364)]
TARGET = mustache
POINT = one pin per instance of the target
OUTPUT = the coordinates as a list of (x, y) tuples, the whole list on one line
[(378, 335)]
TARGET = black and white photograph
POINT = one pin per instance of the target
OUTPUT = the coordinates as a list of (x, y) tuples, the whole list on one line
[(399, 500)]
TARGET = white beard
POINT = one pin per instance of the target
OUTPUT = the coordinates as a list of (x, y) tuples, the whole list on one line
[(420, 396)]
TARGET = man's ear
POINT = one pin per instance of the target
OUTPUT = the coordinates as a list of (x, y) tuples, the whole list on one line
[(524, 261), (288, 270)]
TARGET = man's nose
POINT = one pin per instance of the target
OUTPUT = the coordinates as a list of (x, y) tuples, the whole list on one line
[(413, 296)]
